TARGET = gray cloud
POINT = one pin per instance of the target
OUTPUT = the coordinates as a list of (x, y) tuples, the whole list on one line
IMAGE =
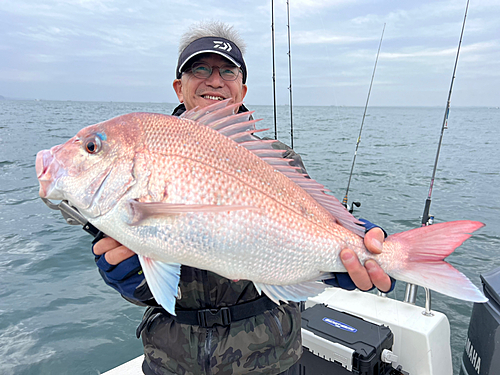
[(125, 50)]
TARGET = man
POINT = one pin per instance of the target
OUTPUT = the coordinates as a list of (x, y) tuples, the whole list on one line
[(221, 326)]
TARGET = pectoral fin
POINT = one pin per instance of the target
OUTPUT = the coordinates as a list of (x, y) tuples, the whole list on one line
[(141, 211)]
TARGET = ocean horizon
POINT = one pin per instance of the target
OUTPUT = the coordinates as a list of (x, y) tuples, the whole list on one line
[(248, 104)]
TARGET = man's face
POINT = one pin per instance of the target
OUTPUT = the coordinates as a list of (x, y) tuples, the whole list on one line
[(200, 92)]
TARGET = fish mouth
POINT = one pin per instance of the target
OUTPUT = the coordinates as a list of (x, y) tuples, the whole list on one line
[(48, 170)]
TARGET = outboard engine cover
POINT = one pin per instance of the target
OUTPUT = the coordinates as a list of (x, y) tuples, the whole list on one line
[(482, 348)]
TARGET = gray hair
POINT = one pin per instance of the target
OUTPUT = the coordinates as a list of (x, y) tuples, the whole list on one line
[(211, 28)]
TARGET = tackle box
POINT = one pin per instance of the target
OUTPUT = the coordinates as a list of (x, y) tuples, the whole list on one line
[(337, 343)]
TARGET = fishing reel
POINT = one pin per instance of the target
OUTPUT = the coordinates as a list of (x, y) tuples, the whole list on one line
[(351, 208)]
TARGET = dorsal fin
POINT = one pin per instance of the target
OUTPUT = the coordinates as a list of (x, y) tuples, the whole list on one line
[(240, 127), (219, 110)]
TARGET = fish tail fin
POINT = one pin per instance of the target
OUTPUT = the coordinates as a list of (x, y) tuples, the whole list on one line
[(425, 248)]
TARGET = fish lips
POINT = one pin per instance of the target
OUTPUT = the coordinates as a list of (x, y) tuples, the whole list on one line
[(48, 171)]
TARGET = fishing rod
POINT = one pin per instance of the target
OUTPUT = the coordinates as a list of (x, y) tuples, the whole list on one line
[(425, 216), (411, 289), (274, 69), (344, 201), (290, 72)]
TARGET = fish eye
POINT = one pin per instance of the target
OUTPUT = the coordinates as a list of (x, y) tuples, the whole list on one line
[(92, 145)]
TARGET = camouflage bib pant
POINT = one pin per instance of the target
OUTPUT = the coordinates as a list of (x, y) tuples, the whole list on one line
[(268, 343)]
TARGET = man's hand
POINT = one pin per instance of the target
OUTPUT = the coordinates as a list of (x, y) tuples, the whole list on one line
[(120, 269), (371, 274), (114, 252)]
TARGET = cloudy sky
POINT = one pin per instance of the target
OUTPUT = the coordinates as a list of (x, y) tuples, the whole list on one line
[(126, 50)]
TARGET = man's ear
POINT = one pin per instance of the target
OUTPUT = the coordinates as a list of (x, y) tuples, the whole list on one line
[(178, 89), (244, 89)]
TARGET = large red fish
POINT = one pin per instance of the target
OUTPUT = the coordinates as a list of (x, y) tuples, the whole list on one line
[(201, 190)]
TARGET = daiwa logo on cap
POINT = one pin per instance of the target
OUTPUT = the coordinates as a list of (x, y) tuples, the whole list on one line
[(222, 45), (340, 325)]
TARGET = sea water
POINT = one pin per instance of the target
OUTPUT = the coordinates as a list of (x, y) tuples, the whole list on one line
[(58, 317)]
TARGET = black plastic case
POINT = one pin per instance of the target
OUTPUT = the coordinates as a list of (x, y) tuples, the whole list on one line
[(337, 343)]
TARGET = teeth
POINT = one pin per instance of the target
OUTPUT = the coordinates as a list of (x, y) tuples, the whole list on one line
[(213, 97)]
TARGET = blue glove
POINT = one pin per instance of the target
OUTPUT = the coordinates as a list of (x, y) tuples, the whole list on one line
[(369, 226), (126, 277), (343, 280)]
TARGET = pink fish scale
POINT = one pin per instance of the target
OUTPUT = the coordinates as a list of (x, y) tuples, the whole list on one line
[(205, 172)]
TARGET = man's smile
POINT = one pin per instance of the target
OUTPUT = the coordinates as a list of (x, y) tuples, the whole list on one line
[(211, 97)]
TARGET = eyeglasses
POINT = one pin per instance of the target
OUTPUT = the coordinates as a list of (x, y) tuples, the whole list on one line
[(203, 71)]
